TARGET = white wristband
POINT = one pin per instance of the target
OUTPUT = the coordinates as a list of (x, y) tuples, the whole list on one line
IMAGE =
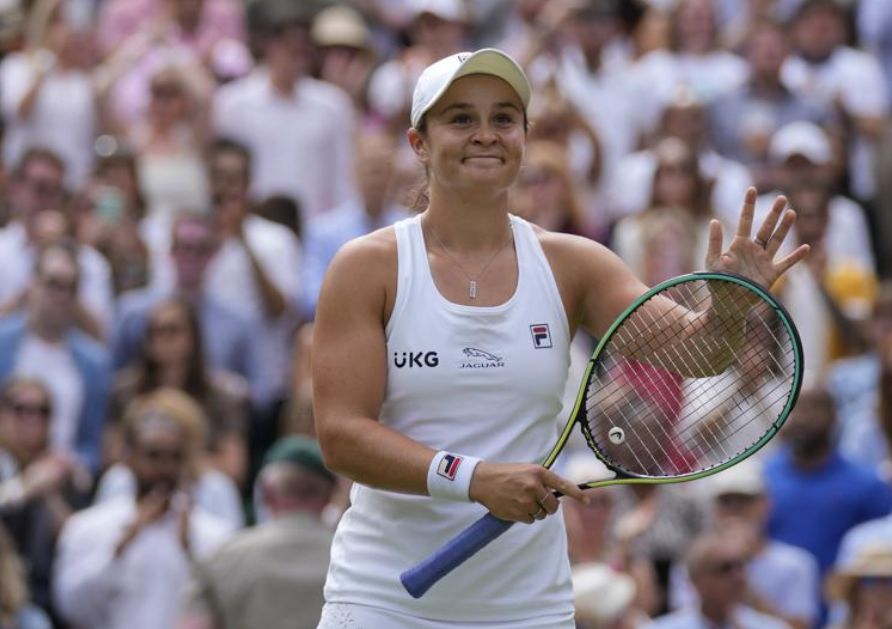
[(449, 476)]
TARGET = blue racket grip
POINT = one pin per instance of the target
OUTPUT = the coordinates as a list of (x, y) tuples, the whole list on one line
[(451, 555)]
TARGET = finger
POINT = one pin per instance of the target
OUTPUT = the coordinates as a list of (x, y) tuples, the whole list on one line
[(745, 224), (783, 265), (780, 234), (770, 222), (548, 501), (565, 487), (714, 246)]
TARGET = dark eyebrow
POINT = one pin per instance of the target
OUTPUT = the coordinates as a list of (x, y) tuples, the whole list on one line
[(466, 106)]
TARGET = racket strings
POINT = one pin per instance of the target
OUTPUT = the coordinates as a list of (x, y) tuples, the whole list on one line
[(670, 423)]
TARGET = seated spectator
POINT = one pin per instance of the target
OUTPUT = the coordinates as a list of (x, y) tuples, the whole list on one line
[(226, 335), (865, 586), (717, 563), (781, 579), (124, 562), (15, 610), (172, 356), (271, 576), (37, 187), (815, 493), (373, 209), (39, 489), (43, 342)]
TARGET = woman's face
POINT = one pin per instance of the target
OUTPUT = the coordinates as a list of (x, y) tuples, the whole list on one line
[(475, 137), (25, 420), (169, 337), (675, 183), (169, 102), (541, 192)]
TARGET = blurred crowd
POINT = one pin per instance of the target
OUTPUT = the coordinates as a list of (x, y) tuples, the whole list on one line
[(176, 175)]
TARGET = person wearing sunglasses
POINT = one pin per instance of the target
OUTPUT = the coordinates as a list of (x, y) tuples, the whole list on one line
[(717, 564), (42, 341), (39, 487), (125, 562)]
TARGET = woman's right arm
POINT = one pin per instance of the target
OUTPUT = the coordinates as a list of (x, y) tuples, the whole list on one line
[(349, 381), (350, 372)]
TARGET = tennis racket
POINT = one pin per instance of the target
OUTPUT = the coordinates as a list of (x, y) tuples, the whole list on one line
[(696, 375)]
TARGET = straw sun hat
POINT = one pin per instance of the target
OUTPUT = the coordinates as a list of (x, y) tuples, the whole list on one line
[(872, 561)]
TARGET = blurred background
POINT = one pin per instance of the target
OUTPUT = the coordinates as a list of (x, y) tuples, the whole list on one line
[(176, 175)]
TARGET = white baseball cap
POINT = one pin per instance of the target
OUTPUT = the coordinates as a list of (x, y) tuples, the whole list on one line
[(801, 138), (438, 76), (745, 478), (600, 594)]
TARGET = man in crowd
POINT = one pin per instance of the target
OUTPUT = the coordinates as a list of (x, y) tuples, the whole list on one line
[(43, 342), (272, 576), (716, 563), (125, 561)]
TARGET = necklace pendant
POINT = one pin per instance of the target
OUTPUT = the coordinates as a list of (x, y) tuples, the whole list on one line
[(472, 289)]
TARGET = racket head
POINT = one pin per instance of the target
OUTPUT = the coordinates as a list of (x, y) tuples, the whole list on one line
[(653, 424)]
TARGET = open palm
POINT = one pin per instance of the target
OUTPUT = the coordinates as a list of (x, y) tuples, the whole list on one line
[(753, 257)]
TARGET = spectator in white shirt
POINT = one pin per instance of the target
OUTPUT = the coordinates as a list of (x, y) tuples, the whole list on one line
[(257, 269), (48, 92), (716, 563), (126, 561), (298, 129), (37, 192), (782, 580), (825, 70)]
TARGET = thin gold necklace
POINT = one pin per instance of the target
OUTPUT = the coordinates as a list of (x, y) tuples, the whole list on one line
[(472, 281)]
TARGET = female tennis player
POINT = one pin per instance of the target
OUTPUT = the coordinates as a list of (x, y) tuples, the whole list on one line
[(440, 355)]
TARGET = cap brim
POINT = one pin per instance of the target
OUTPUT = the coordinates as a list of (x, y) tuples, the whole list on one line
[(488, 61)]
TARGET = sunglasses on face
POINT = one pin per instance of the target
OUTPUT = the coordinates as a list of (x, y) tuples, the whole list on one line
[(167, 329), (158, 455), (60, 284), (199, 248), (728, 566), (24, 409)]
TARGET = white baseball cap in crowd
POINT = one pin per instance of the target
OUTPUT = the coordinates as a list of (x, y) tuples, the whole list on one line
[(448, 10), (745, 478), (800, 138), (438, 76), (601, 594)]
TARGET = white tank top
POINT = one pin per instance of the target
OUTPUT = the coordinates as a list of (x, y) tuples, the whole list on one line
[(483, 381)]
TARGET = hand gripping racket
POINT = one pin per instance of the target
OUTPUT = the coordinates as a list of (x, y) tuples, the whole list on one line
[(696, 375)]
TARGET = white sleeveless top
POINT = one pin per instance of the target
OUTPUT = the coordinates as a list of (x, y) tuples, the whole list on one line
[(483, 381)]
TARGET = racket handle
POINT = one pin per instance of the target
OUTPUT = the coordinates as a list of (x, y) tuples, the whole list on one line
[(448, 557)]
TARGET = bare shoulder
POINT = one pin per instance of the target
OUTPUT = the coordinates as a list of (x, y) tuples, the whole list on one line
[(595, 284), (364, 271)]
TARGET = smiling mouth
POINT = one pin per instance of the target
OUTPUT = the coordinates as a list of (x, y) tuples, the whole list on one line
[(484, 157)]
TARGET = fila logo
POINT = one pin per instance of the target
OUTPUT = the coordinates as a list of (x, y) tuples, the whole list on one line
[(448, 466), (541, 335), (415, 359)]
